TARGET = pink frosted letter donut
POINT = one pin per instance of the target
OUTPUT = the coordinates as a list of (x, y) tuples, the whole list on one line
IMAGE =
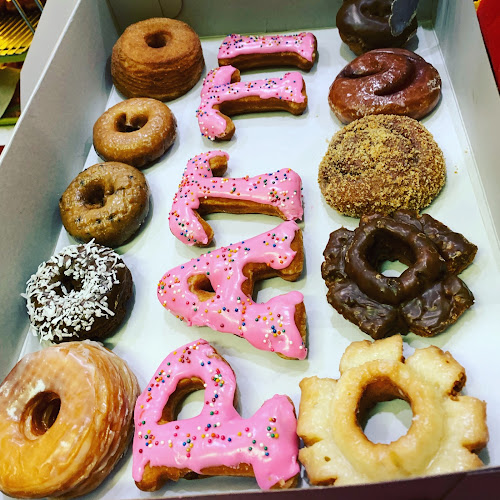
[(218, 441), (216, 288), (244, 52), (223, 95), (277, 193)]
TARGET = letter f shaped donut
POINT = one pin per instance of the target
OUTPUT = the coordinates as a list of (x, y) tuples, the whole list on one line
[(217, 441)]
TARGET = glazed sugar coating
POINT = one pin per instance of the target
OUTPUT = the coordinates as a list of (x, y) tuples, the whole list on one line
[(159, 58), (446, 432), (65, 420), (106, 203), (218, 441), (364, 25), (379, 164), (136, 132), (425, 299), (385, 81), (80, 293)]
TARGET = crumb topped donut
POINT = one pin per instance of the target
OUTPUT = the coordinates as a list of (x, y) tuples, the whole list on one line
[(79, 293), (379, 164), (136, 132), (159, 58), (107, 203), (364, 25), (65, 420)]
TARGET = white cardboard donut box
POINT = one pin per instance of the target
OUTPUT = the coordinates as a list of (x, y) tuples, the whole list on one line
[(53, 142)]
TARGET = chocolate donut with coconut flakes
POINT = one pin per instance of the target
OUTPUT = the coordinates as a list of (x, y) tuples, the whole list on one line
[(79, 293)]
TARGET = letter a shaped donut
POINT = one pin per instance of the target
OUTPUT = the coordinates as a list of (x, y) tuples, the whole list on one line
[(277, 193), (223, 95), (218, 441), (216, 288), (446, 429)]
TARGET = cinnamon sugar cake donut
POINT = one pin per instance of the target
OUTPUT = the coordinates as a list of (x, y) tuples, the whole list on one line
[(379, 164), (159, 58)]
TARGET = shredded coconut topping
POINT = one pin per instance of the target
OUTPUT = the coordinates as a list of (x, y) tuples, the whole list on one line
[(70, 290)]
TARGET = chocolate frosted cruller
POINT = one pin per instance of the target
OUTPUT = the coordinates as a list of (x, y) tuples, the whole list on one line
[(425, 299)]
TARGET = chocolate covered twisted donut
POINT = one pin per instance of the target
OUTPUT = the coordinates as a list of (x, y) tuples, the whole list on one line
[(364, 25), (385, 81)]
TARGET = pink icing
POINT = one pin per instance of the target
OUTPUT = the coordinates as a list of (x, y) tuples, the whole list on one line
[(268, 326), (218, 435), (235, 45), (281, 189), (217, 88)]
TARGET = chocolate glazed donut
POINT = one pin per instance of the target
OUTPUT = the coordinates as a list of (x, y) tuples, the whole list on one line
[(385, 81), (364, 25)]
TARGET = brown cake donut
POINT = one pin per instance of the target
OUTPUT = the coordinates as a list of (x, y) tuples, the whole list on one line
[(65, 420), (364, 25), (136, 132), (159, 58), (379, 164), (425, 299), (385, 81), (106, 202), (79, 293)]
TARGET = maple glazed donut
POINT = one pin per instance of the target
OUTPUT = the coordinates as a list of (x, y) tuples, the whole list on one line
[(136, 132), (379, 164), (159, 58), (218, 441), (446, 432), (79, 293), (364, 25), (106, 203), (65, 420), (385, 81)]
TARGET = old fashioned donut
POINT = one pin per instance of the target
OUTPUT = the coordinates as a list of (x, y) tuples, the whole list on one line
[(65, 420), (106, 203), (446, 432), (425, 299), (246, 52), (379, 164), (224, 95), (364, 25), (385, 81), (217, 442), (136, 132), (216, 289), (159, 58), (203, 191), (79, 293)]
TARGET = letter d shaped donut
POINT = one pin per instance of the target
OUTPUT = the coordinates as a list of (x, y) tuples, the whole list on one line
[(218, 437)]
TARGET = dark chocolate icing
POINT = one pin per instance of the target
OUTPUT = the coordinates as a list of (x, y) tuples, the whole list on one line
[(425, 299), (364, 25)]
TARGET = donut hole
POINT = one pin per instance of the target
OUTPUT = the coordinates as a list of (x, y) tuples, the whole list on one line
[(94, 195), (384, 413), (157, 40), (40, 414), (376, 9), (126, 124), (389, 255), (68, 284), (201, 285), (186, 401)]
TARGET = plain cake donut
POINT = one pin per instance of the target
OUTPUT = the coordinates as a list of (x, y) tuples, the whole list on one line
[(136, 132), (65, 420), (106, 203), (159, 58)]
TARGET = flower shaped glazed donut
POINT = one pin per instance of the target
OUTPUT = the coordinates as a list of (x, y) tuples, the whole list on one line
[(217, 442), (446, 428)]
